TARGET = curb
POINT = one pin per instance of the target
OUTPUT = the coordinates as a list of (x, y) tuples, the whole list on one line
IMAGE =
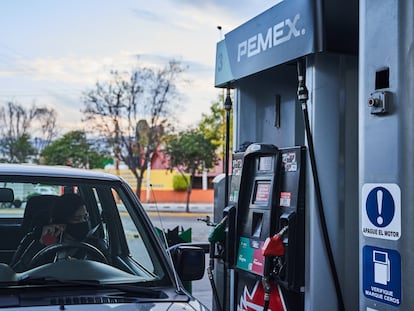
[(179, 207)]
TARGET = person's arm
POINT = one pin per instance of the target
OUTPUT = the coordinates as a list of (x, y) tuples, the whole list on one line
[(51, 234), (31, 244), (28, 247)]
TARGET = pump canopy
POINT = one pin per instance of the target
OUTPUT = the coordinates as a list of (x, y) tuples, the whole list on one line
[(287, 31)]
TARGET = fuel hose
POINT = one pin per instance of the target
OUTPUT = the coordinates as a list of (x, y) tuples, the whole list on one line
[(303, 97)]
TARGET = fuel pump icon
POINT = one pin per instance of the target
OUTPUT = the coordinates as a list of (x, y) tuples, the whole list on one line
[(382, 267)]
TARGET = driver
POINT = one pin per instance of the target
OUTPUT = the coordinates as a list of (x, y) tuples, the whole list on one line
[(69, 223)]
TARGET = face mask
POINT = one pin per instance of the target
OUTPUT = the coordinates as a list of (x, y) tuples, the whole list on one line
[(78, 230)]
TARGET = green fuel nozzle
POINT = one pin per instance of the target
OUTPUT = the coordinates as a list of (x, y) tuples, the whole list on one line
[(218, 233)]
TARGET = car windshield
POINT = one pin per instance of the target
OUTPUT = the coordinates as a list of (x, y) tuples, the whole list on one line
[(75, 229)]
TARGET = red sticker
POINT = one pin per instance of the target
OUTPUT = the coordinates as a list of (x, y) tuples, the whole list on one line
[(285, 198)]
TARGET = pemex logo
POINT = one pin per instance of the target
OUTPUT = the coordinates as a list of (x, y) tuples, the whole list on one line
[(254, 301), (273, 36)]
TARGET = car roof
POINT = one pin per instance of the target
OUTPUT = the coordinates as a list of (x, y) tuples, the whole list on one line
[(54, 171)]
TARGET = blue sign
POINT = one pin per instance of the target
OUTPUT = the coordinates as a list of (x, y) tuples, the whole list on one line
[(381, 211), (380, 207), (381, 275), (283, 33)]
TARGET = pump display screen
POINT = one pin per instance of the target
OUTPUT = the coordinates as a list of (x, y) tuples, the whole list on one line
[(265, 163), (262, 192)]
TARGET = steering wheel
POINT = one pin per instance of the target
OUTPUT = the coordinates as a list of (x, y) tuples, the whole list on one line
[(46, 252)]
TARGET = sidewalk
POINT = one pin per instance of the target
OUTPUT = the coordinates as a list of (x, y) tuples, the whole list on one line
[(179, 207)]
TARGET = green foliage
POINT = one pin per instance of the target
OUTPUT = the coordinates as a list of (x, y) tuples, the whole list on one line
[(23, 148), (74, 149), (191, 151), (181, 182), (19, 149), (98, 160), (19, 125), (213, 125)]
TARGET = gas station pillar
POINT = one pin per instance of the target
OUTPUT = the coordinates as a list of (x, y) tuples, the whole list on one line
[(386, 182)]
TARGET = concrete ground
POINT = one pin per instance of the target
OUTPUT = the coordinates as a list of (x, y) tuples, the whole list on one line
[(179, 207)]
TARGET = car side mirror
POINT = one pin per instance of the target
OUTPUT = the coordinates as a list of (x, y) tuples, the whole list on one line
[(189, 262)]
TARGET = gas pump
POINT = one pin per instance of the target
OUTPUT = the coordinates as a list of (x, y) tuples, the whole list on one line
[(269, 240), (222, 246), (294, 70)]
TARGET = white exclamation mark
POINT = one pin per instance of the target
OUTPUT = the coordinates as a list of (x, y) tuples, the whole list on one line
[(380, 220)]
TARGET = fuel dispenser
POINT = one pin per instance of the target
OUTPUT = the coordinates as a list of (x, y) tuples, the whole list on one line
[(271, 63), (359, 73), (261, 237), (270, 241)]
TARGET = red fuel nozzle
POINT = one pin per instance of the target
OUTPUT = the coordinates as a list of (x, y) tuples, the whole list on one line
[(273, 246)]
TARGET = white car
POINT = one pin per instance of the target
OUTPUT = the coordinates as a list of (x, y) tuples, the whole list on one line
[(130, 270), (40, 189)]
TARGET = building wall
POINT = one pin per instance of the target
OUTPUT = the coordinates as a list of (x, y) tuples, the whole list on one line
[(162, 187)]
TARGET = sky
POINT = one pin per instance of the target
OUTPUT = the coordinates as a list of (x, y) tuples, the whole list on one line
[(52, 51)]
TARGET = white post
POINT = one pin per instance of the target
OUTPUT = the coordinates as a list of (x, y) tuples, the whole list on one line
[(204, 179), (148, 185)]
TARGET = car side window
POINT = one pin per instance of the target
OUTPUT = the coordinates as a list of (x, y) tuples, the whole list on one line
[(134, 238)]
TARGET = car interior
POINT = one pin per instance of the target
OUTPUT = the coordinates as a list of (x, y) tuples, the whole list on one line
[(129, 247)]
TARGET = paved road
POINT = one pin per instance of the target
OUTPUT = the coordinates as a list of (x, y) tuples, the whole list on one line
[(200, 232)]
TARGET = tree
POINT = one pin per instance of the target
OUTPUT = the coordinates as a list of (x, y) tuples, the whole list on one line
[(21, 148), (190, 152), (213, 125), (16, 127), (131, 111), (47, 131), (73, 149)]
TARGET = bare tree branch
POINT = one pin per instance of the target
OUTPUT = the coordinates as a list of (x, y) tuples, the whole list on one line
[(131, 110)]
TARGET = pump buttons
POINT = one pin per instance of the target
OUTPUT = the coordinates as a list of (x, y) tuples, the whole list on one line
[(379, 101)]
